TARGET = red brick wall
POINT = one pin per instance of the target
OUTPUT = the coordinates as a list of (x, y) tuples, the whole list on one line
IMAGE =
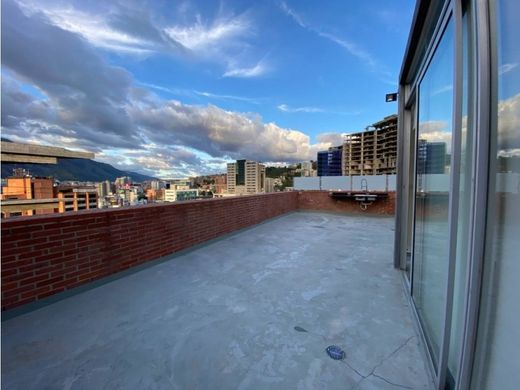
[(44, 255), (47, 254), (320, 200)]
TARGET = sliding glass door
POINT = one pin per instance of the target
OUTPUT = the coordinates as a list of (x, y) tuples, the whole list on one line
[(432, 191)]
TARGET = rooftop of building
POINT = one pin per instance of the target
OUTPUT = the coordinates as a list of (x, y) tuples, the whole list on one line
[(252, 309)]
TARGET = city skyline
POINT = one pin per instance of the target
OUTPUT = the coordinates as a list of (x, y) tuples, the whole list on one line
[(179, 91)]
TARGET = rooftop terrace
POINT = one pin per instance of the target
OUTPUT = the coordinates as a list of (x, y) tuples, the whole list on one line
[(252, 309)]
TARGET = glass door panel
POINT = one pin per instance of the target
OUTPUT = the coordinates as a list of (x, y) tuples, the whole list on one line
[(411, 173), (433, 155)]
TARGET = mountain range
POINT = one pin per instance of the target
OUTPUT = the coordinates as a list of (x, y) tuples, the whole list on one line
[(75, 170)]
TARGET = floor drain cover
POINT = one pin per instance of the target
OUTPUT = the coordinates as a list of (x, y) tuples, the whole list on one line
[(335, 352)]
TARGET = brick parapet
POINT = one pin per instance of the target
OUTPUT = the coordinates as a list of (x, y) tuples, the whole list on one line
[(47, 254)]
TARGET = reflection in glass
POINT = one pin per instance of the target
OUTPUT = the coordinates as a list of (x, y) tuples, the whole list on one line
[(463, 220), (432, 191), (498, 332)]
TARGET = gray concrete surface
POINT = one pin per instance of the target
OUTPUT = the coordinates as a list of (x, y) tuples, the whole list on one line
[(223, 316)]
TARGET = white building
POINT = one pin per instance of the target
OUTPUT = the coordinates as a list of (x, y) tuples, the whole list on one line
[(245, 177), (306, 170), (180, 184), (175, 195), (269, 184)]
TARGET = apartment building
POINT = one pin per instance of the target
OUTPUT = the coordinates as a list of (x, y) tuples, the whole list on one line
[(75, 198), (245, 177), (373, 151), (26, 188)]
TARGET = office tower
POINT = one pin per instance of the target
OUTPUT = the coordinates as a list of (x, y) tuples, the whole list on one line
[(431, 157), (329, 161), (245, 177)]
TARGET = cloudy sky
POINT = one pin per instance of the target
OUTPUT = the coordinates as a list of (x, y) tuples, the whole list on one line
[(176, 88)]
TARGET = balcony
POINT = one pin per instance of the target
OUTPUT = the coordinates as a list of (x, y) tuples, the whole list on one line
[(253, 308)]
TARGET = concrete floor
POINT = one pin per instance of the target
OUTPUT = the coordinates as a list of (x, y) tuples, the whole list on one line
[(223, 316)]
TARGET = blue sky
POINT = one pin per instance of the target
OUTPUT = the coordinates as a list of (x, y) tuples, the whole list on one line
[(179, 88)]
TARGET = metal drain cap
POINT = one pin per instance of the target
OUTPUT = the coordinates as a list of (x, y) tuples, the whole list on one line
[(335, 352)]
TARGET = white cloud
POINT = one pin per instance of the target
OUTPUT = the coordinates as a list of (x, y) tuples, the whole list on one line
[(515, 152), (443, 89), (311, 109), (222, 40), (435, 131), (351, 47), (293, 14), (286, 108), (200, 36), (100, 108), (509, 123), (427, 127), (126, 28), (255, 71), (505, 68), (220, 133), (93, 28), (335, 139), (227, 97), (173, 91)]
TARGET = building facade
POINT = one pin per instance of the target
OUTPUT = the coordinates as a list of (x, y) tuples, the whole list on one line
[(269, 184), (329, 161), (431, 157), (76, 198), (104, 189), (373, 151), (245, 177), (25, 188), (123, 181), (307, 170), (458, 199), (174, 195)]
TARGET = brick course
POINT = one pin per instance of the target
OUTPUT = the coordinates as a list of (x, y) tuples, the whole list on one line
[(321, 201), (47, 254)]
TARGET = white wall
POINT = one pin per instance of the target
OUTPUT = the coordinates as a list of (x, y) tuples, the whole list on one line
[(346, 183)]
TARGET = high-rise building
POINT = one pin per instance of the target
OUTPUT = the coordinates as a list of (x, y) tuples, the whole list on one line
[(431, 157), (156, 185), (329, 161), (373, 151), (245, 177), (104, 188), (323, 164), (122, 181)]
